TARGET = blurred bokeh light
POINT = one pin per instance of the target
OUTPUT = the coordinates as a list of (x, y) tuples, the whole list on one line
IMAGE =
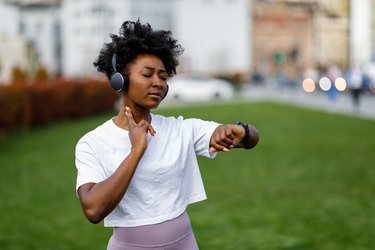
[(325, 84), (308, 85), (340, 84)]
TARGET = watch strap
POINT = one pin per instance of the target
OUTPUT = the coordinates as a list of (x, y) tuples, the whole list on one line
[(245, 139)]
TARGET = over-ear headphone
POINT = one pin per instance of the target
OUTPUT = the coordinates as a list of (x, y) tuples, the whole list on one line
[(119, 81)]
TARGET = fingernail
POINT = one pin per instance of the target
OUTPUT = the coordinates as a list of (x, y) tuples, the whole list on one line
[(225, 150)]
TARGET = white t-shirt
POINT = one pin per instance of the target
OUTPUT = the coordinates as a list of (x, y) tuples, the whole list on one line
[(167, 178)]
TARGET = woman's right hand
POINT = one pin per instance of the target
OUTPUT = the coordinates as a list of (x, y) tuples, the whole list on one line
[(138, 131)]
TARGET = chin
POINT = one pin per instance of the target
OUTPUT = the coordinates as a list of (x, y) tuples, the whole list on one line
[(153, 105)]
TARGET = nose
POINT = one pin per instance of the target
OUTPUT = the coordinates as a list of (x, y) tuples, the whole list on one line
[(159, 83)]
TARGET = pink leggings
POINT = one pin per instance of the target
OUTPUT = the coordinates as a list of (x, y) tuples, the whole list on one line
[(175, 234)]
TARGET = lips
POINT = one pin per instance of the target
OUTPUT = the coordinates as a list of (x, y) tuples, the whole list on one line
[(157, 95)]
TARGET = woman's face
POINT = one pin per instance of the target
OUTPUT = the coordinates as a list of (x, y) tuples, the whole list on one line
[(147, 81)]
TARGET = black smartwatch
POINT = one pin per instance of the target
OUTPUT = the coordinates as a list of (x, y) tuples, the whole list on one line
[(245, 139)]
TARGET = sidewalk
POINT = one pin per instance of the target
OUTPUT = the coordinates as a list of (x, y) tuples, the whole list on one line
[(316, 100)]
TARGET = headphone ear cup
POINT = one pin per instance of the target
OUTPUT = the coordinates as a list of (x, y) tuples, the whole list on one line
[(119, 82), (166, 91), (126, 82)]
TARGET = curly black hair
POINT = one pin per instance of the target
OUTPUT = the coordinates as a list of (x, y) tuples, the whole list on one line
[(135, 38)]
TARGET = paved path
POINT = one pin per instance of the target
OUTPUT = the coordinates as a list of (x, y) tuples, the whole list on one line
[(316, 100)]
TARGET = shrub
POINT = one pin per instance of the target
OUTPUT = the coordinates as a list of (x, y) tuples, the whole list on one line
[(18, 75), (41, 76), (28, 106)]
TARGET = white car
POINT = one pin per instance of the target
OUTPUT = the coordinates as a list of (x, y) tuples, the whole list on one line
[(199, 87)]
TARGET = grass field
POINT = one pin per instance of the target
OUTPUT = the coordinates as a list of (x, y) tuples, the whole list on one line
[(309, 184)]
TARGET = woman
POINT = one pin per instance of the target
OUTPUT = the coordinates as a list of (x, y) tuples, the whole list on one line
[(138, 171)]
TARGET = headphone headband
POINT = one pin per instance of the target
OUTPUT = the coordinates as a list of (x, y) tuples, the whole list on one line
[(114, 62), (119, 81)]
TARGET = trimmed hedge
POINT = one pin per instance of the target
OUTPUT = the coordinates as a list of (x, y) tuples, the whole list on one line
[(28, 106)]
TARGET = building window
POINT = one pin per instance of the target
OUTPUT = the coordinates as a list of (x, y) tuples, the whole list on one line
[(38, 28), (22, 27)]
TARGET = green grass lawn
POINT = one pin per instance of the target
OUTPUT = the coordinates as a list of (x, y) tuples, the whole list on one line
[(309, 184)]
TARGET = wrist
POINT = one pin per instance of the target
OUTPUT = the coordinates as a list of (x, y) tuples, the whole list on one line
[(246, 137)]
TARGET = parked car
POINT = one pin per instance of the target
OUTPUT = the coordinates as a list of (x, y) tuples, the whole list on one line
[(199, 87)]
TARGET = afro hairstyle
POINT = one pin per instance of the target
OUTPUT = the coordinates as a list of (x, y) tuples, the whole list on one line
[(135, 38)]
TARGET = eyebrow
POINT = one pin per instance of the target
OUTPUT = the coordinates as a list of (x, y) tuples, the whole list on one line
[(152, 68)]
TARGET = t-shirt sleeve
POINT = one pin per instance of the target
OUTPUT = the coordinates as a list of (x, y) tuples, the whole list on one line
[(201, 133), (88, 165)]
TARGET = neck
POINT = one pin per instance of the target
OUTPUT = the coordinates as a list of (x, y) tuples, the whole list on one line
[(138, 115), (141, 114)]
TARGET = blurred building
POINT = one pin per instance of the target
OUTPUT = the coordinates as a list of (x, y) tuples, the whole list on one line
[(8, 24), (283, 36), (89, 23), (40, 25), (13, 47), (222, 37), (33, 31), (27, 2), (212, 44), (295, 35), (361, 29), (216, 35), (13, 51), (156, 12), (331, 33), (372, 10)]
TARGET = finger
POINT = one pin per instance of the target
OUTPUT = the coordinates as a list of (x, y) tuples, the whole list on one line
[(151, 130), (217, 147), (236, 141), (229, 134), (224, 149), (225, 141), (230, 138), (145, 124), (129, 116), (212, 150), (225, 137), (222, 141)]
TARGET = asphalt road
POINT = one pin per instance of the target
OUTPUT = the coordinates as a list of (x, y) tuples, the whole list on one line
[(317, 100)]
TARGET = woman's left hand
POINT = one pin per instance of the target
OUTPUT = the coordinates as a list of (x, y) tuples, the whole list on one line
[(226, 137)]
